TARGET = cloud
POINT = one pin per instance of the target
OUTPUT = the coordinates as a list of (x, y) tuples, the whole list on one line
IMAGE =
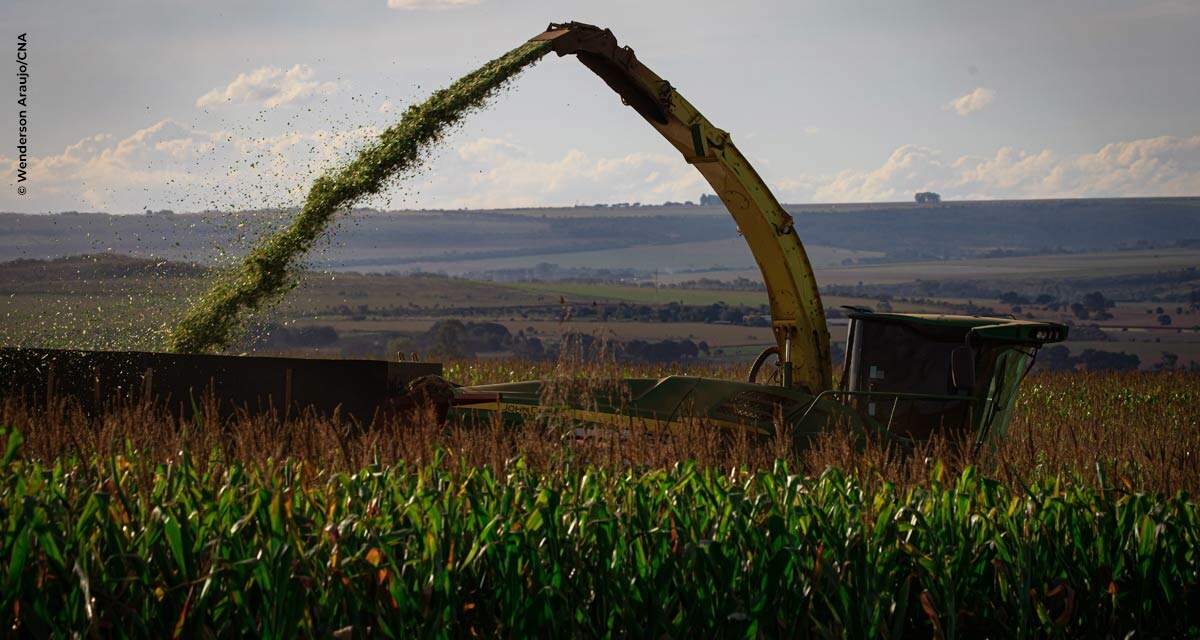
[(496, 172), (174, 166), (1162, 166), (270, 87), (430, 4), (974, 101), (490, 150), (170, 165)]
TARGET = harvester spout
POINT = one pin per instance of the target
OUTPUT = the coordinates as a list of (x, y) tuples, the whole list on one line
[(598, 50), (798, 317)]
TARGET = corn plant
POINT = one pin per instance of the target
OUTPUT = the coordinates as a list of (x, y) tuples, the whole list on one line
[(128, 546)]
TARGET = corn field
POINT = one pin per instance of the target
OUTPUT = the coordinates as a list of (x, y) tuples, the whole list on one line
[(1079, 523), (114, 548)]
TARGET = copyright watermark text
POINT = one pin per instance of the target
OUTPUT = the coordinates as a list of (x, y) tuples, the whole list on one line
[(22, 61)]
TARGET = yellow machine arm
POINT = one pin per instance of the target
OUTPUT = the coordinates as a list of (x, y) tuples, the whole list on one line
[(798, 318)]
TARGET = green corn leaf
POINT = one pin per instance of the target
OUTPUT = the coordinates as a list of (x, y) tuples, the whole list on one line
[(18, 554), (12, 445), (174, 536)]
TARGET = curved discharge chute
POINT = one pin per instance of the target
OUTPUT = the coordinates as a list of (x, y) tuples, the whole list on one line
[(798, 317)]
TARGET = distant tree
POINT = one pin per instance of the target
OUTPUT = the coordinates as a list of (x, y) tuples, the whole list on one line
[(1055, 358), (1080, 311), (1169, 361), (1164, 319), (708, 199), (1095, 301), (448, 337), (1095, 360), (1013, 298), (927, 197)]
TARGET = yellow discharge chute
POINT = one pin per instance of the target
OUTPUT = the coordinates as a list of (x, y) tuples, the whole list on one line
[(798, 318)]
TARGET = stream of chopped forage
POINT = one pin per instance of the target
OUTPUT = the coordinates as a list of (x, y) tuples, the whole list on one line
[(271, 267)]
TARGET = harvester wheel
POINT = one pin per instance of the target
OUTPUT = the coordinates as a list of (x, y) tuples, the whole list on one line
[(763, 371)]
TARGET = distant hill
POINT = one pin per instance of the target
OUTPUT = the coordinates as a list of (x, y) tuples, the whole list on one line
[(968, 228), (458, 239)]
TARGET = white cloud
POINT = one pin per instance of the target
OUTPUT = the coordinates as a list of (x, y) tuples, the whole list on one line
[(976, 100), (270, 87), (1163, 166), (499, 172), (170, 165), (430, 4), (174, 166), (490, 150), (494, 172)]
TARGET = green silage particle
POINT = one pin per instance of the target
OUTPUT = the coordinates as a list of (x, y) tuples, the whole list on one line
[(269, 270)]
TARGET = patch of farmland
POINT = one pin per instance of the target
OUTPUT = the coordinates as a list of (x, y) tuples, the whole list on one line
[(727, 254), (1072, 265), (1104, 263), (576, 292)]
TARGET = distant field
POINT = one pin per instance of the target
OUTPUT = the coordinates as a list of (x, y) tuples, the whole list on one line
[(1108, 263), (717, 335), (711, 255), (575, 292), (321, 290), (454, 240), (116, 302), (1150, 349), (586, 292), (1102, 263)]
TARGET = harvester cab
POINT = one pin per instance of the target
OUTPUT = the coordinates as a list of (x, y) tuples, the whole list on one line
[(914, 374)]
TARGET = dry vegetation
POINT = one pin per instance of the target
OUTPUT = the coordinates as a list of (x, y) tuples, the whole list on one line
[(1123, 431)]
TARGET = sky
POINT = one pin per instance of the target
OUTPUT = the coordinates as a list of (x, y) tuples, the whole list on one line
[(140, 104)]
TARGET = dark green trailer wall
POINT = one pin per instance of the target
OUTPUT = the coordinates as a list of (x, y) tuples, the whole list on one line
[(180, 382)]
